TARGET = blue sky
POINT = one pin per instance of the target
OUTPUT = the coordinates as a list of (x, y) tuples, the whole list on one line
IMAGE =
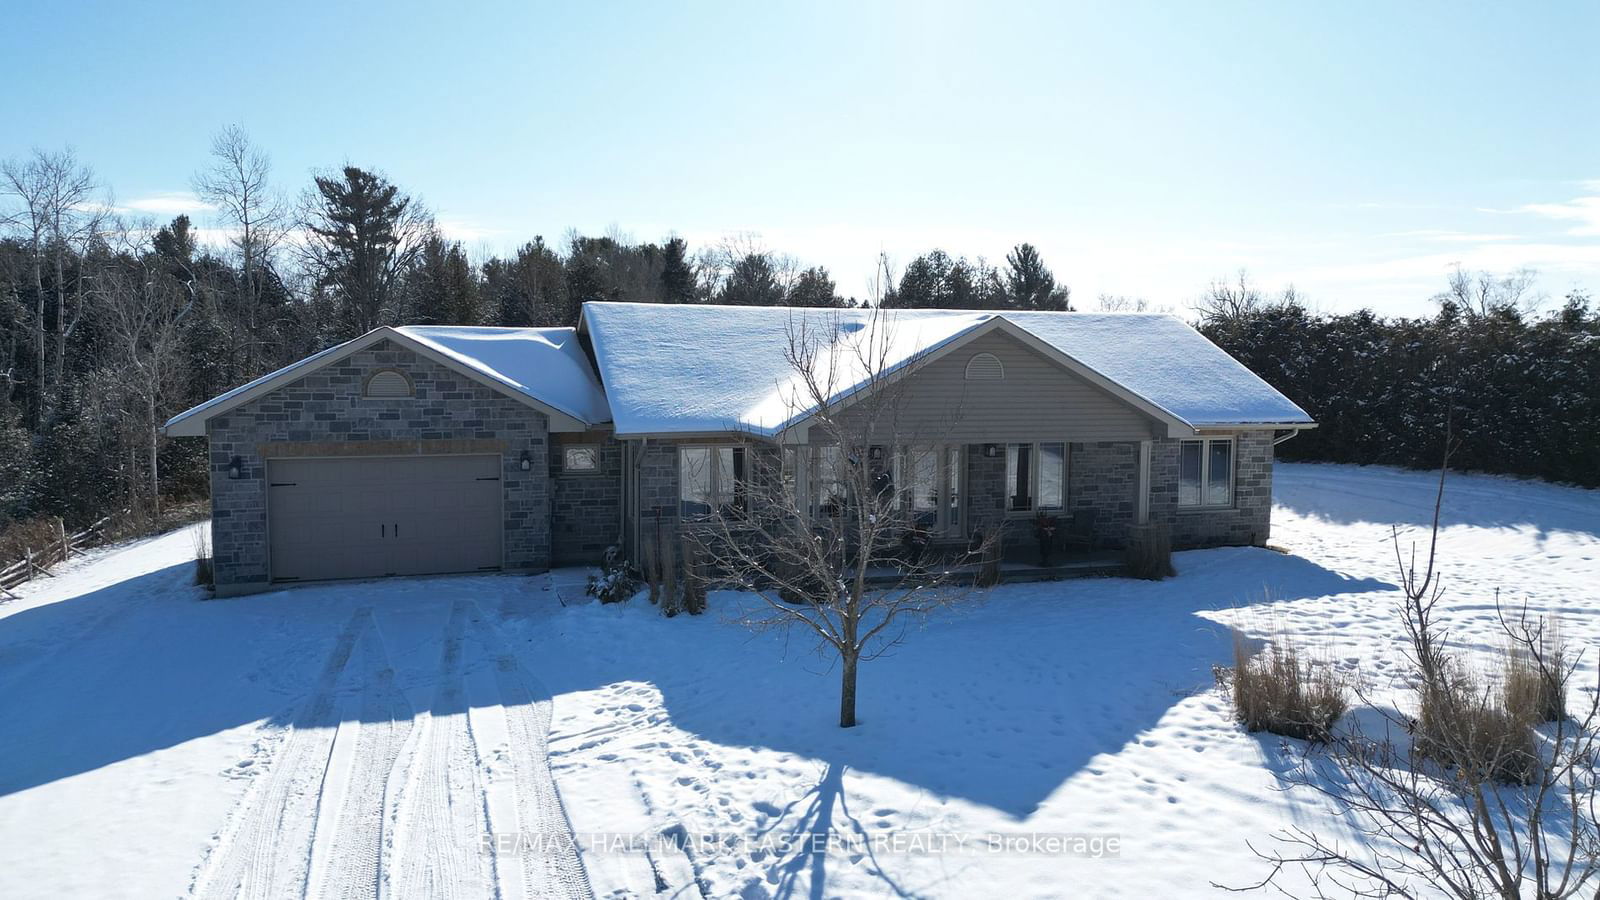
[(1357, 150)]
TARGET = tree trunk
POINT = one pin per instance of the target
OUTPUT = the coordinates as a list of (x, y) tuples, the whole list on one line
[(61, 329), (847, 691), (39, 377), (155, 455)]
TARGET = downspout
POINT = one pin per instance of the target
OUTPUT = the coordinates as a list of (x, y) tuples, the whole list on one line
[(1287, 435), (622, 499)]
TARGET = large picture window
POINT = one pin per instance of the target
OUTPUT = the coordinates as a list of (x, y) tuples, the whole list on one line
[(1205, 472), (710, 480), (1036, 476)]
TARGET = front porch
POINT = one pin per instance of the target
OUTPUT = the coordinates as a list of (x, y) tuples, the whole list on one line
[(1015, 568)]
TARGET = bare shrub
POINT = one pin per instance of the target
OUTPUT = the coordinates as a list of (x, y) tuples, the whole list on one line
[(991, 553), (696, 576), (1275, 691), (1149, 553), (204, 570), (1478, 803), (667, 566), (17, 538), (1536, 675), (1475, 732)]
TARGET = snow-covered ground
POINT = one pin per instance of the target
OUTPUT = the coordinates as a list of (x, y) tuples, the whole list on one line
[(341, 739)]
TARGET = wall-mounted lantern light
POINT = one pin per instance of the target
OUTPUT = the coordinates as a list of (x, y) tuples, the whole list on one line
[(236, 467), (991, 450), (526, 461)]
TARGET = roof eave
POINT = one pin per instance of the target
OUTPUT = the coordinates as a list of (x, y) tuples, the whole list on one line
[(192, 422)]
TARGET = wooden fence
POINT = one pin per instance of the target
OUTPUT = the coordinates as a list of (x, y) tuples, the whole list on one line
[(37, 561)]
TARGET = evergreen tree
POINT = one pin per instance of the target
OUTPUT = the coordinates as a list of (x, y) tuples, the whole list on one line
[(752, 280), (1030, 285), (935, 280), (441, 286), (175, 240), (813, 288), (362, 234), (677, 274)]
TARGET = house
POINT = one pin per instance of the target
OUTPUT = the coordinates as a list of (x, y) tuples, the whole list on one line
[(430, 449)]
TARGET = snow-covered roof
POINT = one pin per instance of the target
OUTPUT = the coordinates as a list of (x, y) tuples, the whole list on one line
[(545, 367), (683, 369), (546, 364)]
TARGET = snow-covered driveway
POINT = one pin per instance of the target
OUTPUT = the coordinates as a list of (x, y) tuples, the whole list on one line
[(368, 737), (339, 740)]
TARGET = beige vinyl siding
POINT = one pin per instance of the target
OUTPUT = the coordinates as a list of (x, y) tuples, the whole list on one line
[(1037, 399)]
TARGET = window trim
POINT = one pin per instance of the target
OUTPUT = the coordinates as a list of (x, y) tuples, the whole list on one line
[(810, 481), (941, 454), (1205, 473), (569, 470), (1035, 459)]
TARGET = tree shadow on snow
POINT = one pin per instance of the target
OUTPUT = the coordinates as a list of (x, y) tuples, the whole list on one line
[(997, 703), (808, 827)]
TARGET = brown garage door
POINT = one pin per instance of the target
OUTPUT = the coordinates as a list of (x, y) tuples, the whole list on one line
[(391, 515)]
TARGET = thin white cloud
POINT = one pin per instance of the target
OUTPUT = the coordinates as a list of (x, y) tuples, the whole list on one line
[(467, 232), (166, 203), (1584, 211), (1446, 236)]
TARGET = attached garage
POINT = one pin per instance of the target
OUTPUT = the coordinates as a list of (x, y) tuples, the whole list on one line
[(407, 451), (371, 516)]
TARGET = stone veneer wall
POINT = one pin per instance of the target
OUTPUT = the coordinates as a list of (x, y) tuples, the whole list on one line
[(1102, 477), (326, 407), (586, 506), (1247, 522)]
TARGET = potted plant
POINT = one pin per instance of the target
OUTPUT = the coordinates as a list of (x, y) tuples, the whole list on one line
[(1044, 529)]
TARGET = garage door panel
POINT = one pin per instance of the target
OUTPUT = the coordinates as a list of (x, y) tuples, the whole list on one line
[(372, 516)]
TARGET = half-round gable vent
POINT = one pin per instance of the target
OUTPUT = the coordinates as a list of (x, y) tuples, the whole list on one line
[(985, 367), (388, 385)]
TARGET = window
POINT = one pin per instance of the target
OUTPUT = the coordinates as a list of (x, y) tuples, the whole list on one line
[(1036, 476), (827, 481), (710, 480), (791, 476), (985, 367), (1205, 472), (955, 464), (583, 458), (917, 475), (923, 480), (388, 384)]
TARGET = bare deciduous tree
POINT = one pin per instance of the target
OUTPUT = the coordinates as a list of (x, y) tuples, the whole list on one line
[(1239, 300), (1482, 294), (238, 185), (1473, 797), (849, 557), (142, 304), (57, 216)]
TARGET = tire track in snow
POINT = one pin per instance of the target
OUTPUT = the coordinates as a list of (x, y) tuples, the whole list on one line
[(557, 870), (440, 813), (354, 867), (266, 849)]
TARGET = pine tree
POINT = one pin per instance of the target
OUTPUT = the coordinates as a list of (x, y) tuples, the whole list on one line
[(677, 275), (1030, 284), (362, 235), (813, 288)]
